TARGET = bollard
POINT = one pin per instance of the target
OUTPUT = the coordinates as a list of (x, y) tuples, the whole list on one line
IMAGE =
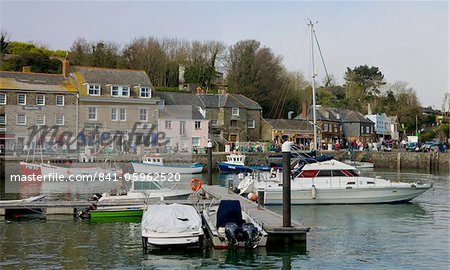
[(209, 149), (286, 149)]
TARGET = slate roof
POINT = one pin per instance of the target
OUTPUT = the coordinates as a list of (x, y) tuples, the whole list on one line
[(35, 81), (180, 112), (290, 124), (113, 76), (208, 100), (335, 115)]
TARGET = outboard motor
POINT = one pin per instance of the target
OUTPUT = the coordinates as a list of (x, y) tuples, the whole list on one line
[(250, 233), (232, 231), (95, 197)]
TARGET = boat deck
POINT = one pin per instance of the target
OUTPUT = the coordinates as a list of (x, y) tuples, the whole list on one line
[(271, 221)]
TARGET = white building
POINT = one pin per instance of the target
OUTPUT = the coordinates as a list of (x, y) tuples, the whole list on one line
[(382, 125)]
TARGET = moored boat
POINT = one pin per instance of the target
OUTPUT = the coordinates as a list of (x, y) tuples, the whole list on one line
[(155, 164), (228, 226), (333, 182), (173, 225), (236, 163)]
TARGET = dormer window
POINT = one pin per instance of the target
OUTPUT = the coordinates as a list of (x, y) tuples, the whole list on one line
[(120, 91), (94, 90), (235, 111), (144, 92)]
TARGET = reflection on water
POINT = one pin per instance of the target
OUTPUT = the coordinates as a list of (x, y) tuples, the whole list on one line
[(413, 236)]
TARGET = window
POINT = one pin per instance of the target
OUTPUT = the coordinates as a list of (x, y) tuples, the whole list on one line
[(59, 100), (22, 99), (143, 115), (2, 98), (40, 119), (182, 128), (324, 173), (338, 173), (195, 141), (122, 114), (2, 119), (214, 122), (250, 123), (113, 114), (59, 120), (367, 130), (168, 124), (233, 123), (92, 113), (40, 99), (197, 125), (325, 127), (144, 92), (362, 129), (235, 111), (21, 120), (94, 90), (120, 91)]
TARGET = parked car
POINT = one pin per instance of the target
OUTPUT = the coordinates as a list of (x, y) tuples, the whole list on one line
[(434, 147), (413, 146)]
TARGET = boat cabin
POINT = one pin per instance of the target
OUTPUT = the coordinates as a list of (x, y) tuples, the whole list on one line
[(153, 160), (327, 169), (236, 159)]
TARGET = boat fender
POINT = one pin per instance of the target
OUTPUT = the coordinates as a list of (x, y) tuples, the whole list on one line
[(313, 192), (195, 184)]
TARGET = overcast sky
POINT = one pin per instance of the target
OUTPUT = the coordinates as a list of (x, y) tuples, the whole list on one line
[(408, 41)]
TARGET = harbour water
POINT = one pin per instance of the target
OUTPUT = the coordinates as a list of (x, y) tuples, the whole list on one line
[(405, 236)]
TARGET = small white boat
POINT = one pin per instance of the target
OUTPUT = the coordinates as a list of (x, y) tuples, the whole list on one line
[(155, 164), (141, 191), (53, 173), (171, 225), (333, 182), (228, 226), (27, 200), (360, 164)]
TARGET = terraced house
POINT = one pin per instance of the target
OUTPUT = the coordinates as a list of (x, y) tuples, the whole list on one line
[(34, 99), (115, 104)]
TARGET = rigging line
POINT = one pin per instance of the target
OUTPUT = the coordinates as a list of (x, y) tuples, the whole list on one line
[(288, 88), (321, 57), (279, 110), (277, 103)]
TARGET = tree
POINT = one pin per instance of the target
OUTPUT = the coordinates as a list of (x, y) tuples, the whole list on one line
[(368, 79)]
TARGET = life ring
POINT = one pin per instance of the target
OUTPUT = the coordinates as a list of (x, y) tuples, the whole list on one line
[(195, 184)]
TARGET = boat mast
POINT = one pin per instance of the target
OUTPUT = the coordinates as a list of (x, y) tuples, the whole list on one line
[(313, 82)]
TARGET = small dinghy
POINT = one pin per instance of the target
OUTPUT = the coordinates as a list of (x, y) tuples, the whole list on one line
[(229, 227), (173, 225)]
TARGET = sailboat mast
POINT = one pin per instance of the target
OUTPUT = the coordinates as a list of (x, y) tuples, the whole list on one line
[(313, 83)]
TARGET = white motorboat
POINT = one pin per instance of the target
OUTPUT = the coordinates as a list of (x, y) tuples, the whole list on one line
[(141, 191), (54, 173), (153, 164), (171, 226), (360, 164), (333, 182), (27, 200), (228, 226)]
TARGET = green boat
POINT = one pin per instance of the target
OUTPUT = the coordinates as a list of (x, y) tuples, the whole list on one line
[(117, 213)]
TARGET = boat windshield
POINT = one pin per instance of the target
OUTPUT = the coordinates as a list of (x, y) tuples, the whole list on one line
[(146, 185)]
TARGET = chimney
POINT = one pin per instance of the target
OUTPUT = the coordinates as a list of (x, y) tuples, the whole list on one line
[(65, 67), (304, 109), (369, 110), (26, 69), (222, 90), (199, 90)]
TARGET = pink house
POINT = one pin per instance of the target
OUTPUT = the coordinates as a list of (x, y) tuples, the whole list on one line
[(185, 129)]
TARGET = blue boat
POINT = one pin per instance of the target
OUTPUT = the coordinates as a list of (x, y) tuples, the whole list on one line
[(236, 164)]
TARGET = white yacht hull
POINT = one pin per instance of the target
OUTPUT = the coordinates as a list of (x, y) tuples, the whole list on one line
[(170, 240), (345, 196), (152, 169), (52, 172)]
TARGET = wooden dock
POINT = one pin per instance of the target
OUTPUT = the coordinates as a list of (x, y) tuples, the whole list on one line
[(271, 221)]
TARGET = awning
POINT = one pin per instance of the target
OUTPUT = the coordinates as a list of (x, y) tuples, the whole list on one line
[(7, 136)]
